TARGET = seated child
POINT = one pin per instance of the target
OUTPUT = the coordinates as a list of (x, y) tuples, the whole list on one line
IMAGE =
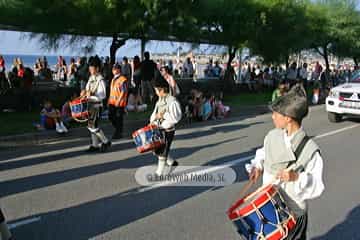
[(206, 108), (50, 118), (221, 110), (135, 102)]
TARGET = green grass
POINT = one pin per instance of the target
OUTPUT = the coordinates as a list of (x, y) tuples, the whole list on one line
[(246, 99), (12, 123), (22, 122), (17, 122), (132, 116)]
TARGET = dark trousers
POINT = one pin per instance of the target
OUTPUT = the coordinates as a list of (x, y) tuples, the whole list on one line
[(164, 150), (299, 232), (116, 116), (2, 218)]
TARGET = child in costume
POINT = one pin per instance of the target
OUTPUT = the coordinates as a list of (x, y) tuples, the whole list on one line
[(300, 174)]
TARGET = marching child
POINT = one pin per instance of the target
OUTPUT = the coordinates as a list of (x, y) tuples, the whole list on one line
[(95, 92), (280, 153), (166, 115)]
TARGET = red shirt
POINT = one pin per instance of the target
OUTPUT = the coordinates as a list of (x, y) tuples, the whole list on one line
[(21, 72)]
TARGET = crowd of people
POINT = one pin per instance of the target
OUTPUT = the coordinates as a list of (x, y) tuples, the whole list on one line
[(197, 105)]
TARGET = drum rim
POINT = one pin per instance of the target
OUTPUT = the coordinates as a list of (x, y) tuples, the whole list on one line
[(264, 193)]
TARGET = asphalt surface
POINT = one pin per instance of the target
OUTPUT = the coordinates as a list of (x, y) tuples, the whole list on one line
[(56, 191)]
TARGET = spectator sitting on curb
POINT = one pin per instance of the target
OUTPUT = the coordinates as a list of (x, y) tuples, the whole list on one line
[(221, 111), (135, 103), (50, 118), (206, 108)]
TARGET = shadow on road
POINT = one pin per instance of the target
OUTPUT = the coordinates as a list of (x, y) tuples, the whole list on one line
[(48, 179), (99, 216), (348, 229)]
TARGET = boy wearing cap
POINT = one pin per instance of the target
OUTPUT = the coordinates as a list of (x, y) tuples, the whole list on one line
[(117, 100), (95, 91), (166, 114), (280, 153)]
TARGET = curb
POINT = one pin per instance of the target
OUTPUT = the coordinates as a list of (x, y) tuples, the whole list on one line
[(129, 127)]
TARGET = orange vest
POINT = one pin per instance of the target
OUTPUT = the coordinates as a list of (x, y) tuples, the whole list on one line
[(118, 92)]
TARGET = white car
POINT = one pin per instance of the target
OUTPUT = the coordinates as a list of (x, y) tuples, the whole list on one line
[(344, 99)]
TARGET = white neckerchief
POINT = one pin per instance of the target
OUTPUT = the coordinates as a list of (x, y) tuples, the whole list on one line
[(288, 139)]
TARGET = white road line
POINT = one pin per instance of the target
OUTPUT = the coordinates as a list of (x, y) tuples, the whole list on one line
[(237, 161), (54, 152), (336, 131), (24, 222), (213, 169)]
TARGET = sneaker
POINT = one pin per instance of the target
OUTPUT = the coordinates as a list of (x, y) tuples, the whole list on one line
[(105, 146), (92, 149), (63, 127), (59, 128)]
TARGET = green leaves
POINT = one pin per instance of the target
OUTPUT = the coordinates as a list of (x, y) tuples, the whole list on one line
[(273, 29)]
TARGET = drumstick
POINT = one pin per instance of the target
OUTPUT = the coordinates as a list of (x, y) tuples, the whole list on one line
[(246, 187)]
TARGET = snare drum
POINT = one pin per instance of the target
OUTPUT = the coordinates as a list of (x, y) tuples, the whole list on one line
[(262, 215), (148, 138), (80, 109)]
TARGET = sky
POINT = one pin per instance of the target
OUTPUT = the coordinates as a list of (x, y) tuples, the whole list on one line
[(17, 43)]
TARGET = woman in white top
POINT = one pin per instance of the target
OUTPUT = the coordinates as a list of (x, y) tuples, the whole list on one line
[(174, 88)]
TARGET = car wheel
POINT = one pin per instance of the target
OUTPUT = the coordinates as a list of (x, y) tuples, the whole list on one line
[(334, 117)]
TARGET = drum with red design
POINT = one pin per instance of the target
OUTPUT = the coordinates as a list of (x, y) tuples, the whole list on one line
[(79, 109), (262, 215), (148, 138)]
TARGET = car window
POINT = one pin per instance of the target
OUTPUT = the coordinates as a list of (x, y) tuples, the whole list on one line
[(355, 77)]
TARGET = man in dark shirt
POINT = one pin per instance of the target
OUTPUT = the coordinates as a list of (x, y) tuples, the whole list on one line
[(148, 68)]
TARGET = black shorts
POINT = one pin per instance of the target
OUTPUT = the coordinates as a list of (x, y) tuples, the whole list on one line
[(164, 150)]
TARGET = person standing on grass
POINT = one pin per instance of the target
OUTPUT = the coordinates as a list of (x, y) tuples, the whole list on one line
[(174, 88), (148, 68), (117, 102)]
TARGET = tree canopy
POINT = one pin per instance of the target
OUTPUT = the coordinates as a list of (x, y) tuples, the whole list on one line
[(273, 29)]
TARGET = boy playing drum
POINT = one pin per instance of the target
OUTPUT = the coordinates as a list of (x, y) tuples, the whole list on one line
[(166, 114), (279, 153)]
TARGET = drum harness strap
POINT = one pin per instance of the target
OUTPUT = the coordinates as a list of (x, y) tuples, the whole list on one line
[(280, 209)]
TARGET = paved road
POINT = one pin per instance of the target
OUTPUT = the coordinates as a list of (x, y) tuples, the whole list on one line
[(59, 192)]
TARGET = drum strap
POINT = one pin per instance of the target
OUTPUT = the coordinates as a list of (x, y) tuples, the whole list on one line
[(298, 152)]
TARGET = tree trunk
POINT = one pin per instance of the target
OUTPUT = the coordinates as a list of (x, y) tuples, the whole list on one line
[(228, 76), (143, 44), (115, 45), (356, 61), (326, 58), (287, 64)]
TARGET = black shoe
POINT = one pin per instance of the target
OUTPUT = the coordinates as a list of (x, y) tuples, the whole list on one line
[(173, 166), (105, 146), (92, 149)]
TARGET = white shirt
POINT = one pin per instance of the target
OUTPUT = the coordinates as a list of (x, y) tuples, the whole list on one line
[(171, 117), (309, 184), (100, 92)]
